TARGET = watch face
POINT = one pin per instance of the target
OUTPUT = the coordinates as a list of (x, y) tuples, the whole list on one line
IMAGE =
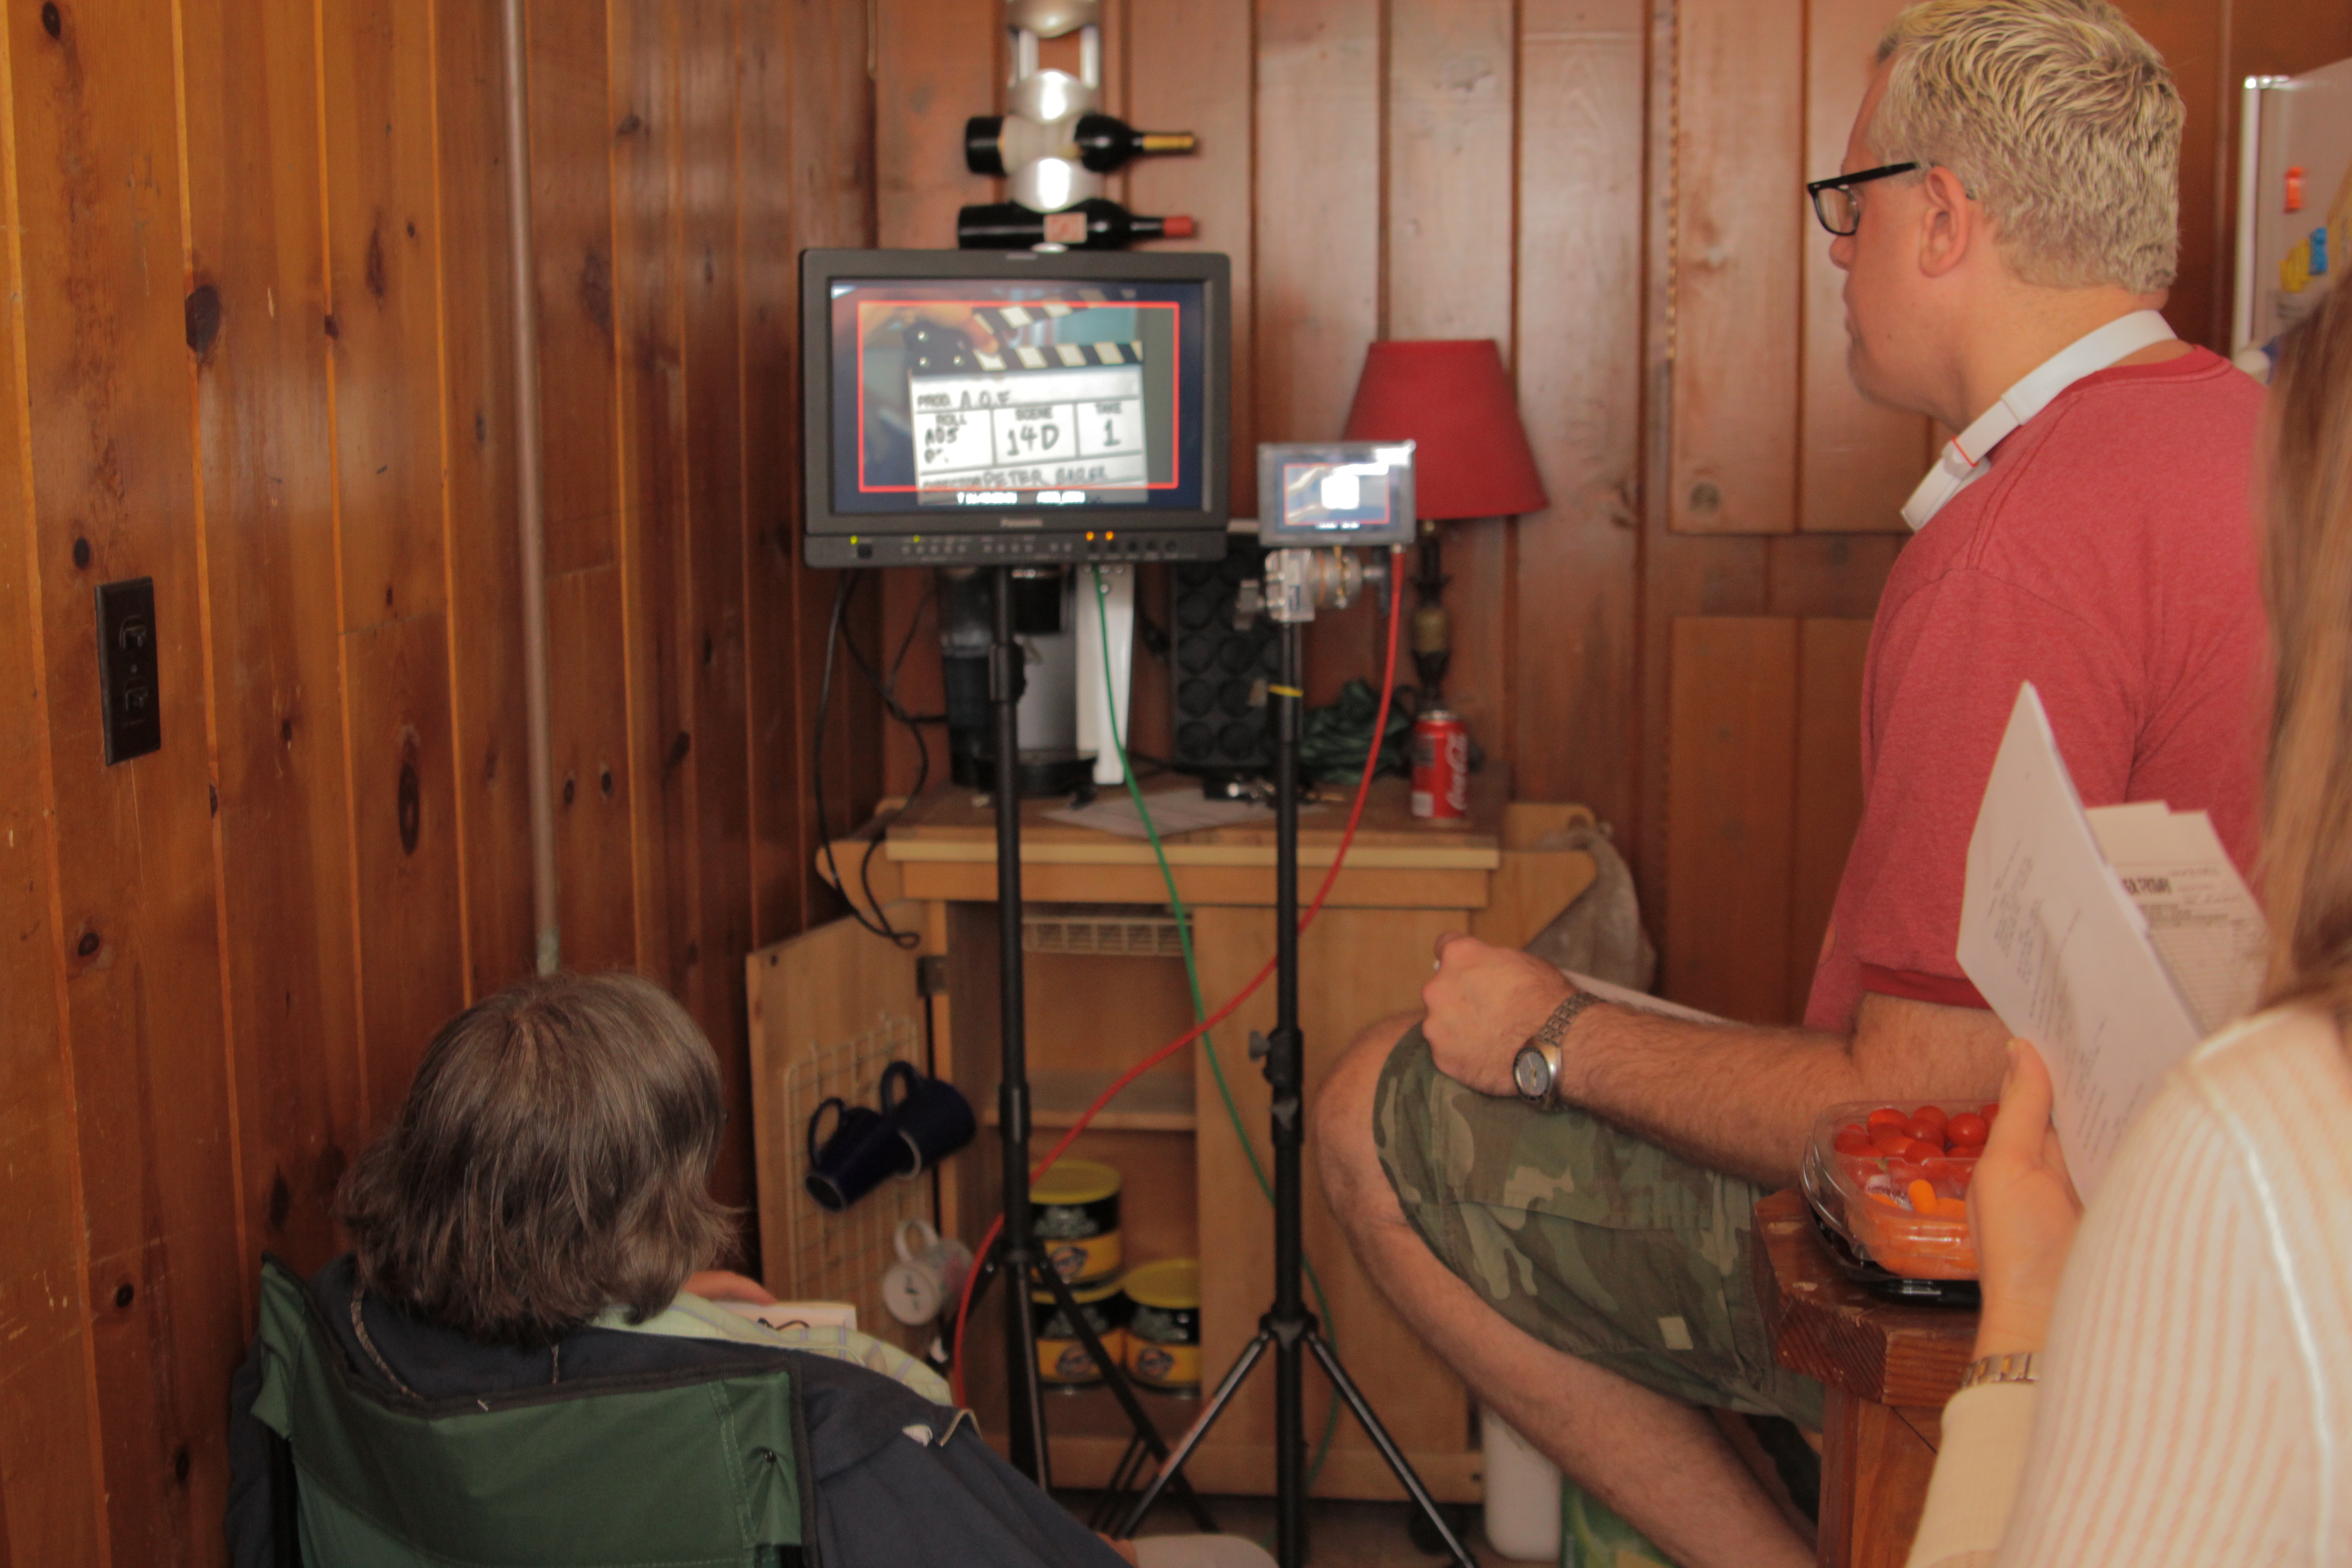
[(1532, 1073)]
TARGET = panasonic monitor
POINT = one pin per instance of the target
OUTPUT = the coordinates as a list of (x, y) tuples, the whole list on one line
[(1014, 409)]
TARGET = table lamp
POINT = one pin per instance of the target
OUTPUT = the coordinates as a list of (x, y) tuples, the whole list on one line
[(1454, 401)]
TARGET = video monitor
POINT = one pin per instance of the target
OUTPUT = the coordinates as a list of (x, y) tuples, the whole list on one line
[(1020, 407)]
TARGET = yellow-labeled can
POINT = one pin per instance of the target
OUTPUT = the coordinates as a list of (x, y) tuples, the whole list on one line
[(1061, 1356), (1075, 1213), (1163, 1323)]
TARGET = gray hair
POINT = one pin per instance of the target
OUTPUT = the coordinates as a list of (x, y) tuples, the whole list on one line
[(2058, 117), (552, 1158)]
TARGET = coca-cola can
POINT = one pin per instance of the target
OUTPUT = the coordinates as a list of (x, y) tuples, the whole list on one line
[(1441, 767)]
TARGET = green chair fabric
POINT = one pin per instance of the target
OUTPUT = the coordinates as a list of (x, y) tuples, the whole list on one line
[(668, 1471)]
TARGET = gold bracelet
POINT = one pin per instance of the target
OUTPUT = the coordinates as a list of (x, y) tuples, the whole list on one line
[(2015, 1367)]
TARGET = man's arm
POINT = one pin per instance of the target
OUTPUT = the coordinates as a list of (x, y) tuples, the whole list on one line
[(1730, 1096)]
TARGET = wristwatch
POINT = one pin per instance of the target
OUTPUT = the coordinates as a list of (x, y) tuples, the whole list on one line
[(1536, 1069), (2015, 1367)]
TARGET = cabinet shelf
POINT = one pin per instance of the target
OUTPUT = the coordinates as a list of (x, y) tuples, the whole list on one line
[(1156, 1102)]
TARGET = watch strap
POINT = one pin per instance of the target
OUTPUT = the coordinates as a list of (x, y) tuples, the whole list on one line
[(1547, 1040), (2015, 1367)]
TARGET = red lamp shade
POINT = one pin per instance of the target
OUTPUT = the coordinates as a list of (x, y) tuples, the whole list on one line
[(1452, 401)]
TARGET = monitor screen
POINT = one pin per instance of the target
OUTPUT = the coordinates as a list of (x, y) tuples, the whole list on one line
[(1076, 401)]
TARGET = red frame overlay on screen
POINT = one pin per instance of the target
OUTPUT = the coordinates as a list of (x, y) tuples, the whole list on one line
[(1176, 381)]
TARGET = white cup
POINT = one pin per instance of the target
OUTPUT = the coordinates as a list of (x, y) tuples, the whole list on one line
[(930, 1273)]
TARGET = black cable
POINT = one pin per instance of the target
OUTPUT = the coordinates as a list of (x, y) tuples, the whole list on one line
[(833, 637)]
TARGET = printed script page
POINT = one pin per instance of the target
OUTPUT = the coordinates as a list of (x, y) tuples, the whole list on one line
[(2059, 949), (2201, 916)]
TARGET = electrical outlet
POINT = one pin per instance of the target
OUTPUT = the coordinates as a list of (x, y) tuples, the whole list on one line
[(127, 685)]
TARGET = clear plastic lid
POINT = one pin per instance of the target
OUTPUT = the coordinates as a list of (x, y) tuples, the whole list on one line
[(1891, 1181)]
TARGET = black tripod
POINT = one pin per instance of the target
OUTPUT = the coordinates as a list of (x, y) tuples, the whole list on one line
[(1016, 1253), (1288, 1327)]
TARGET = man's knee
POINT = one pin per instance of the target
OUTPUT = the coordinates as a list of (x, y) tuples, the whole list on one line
[(1341, 1120)]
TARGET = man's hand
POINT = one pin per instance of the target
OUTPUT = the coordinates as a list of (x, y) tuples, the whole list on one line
[(2022, 1213), (1483, 1004)]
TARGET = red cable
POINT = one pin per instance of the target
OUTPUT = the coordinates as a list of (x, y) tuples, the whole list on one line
[(1355, 815)]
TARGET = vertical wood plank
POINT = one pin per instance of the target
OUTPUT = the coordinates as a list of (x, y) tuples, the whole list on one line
[(375, 94), (572, 135), (479, 543), (52, 1480), (1731, 745), (405, 837), (808, 180), (1451, 194), (1734, 279), (1857, 461), (1576, 712), (709, 189), (643, 111), (1321, 258), (267, 484), (1827, 794), (107, 443)]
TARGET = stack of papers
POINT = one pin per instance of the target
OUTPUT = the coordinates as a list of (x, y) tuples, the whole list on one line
[(2114, 940)]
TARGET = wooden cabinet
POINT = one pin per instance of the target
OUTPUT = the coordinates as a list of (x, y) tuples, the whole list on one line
[(1106, 987)]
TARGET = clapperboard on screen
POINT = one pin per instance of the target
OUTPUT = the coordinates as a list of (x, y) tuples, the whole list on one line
[(1033, 415)]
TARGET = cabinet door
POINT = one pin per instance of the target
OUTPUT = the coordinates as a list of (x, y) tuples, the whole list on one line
[(1355, 966), (830, 1010)]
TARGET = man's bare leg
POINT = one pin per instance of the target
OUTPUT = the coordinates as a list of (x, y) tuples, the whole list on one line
[(1661, 1464)]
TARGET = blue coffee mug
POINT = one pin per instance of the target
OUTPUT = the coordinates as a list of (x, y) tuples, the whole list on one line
[(863, 1150), (931, 1114)]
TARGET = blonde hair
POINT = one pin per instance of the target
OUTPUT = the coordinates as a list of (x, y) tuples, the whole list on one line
[(2308, 584), (2058, 117)]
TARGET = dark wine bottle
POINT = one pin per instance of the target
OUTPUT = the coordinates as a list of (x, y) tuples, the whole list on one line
[(994, 144), (1092, 225)]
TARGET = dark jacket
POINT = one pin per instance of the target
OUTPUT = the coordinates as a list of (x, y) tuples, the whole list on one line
[(884, 1496)]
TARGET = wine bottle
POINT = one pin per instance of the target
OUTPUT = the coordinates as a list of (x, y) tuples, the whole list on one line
[(996, 145), (1094, 224)]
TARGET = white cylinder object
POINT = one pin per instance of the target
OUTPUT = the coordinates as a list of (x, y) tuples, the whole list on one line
[(1522, 1494)]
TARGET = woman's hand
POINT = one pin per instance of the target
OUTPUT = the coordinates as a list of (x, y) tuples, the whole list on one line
[(2022, 1212), (719, 1284)]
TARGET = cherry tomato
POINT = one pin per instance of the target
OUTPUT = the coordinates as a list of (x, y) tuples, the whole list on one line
[(1991, 1111), (1905, 1172), (1926, 1131), (1853, 1126), (1968, 1129), (1888, 1116), (1951, 1171), (1853, 1143), (1922, 1151), (1934, 1113), (1890, 1140)]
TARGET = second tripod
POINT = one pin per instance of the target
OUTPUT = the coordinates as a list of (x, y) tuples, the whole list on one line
[(1288, 1328)]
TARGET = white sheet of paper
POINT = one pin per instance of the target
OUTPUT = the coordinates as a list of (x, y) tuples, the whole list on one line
[(2060, 952), (1626, 996), (2201, 914)]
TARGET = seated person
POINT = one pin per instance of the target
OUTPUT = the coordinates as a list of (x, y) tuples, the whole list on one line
[(2194, 1357), (1579, 1255), (530, 1217)]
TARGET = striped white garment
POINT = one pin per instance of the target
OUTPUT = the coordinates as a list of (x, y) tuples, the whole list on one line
[(2195, 1402)]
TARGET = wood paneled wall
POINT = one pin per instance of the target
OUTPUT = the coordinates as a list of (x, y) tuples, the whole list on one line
[(1610, 189), (258, 318)]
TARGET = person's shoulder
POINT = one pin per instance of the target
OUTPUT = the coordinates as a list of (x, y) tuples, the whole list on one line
[(2278, 1087), (2195, 399)]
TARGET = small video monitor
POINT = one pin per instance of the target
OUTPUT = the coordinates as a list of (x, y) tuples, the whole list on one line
[(1335, 492)]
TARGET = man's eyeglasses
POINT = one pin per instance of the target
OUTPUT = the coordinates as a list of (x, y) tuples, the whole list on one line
[(1835, 201)]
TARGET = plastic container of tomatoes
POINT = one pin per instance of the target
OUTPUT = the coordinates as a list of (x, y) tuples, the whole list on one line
[(1891, 1181)]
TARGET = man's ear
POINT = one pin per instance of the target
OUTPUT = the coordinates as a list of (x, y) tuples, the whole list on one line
[(1951, 224)]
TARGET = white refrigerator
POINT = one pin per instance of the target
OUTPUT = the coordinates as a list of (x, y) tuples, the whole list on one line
[(2294, 203)]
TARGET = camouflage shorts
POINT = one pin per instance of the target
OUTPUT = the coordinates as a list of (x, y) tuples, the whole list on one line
[(1585, 1236)]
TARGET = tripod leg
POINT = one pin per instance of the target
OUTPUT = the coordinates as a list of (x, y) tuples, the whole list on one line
[(1138, 1417), (1397, 1462), (1173, 1467)]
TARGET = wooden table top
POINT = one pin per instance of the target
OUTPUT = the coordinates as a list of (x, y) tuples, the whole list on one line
[(956, 824), (1825, 1325)]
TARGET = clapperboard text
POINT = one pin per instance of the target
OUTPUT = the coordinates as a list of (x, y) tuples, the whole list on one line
[(1067, 416)]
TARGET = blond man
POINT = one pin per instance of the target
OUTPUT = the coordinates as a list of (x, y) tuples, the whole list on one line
[(1556, 1191)]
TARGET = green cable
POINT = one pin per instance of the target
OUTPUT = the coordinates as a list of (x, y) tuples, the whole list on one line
[(1200, 1005)]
